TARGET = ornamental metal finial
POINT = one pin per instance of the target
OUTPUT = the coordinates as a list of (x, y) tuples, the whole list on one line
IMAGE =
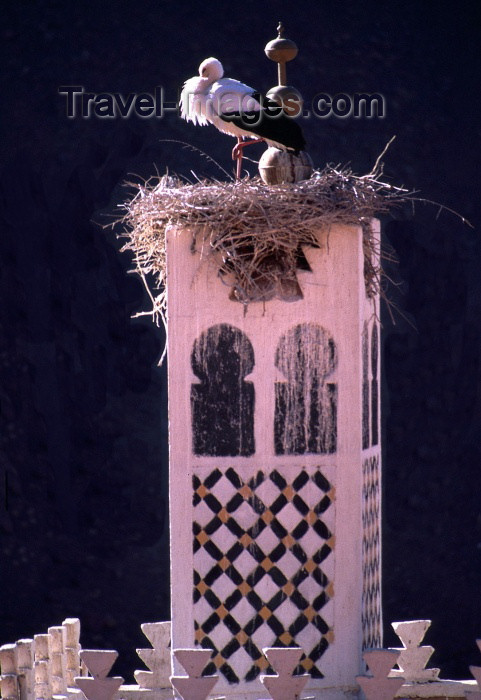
[(281, 50)]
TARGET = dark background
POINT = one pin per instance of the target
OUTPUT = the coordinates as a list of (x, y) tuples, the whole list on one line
[(83, 512)]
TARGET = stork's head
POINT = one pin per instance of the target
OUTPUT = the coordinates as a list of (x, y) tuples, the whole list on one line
[(211, 69)]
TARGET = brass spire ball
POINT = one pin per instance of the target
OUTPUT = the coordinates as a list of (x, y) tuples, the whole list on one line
[(281, 50), (275, 166)]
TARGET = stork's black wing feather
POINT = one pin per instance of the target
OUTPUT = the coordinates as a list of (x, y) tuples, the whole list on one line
[(271, 122)]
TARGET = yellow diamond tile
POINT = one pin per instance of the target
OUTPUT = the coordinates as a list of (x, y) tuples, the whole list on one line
[(222, 612), (218, 660), (202, 491), (286, 638), (310, 566), (261, 663), (223, 515), (266, 564), (310, 613), (246, 540), (288, 541), (202, 587), (329, 636), (307, 664), (245, 588), (265, 613), (311, 517), (245, 492), (288, 588), (199, 635), (289, 492), (267, 516), (224, 563), (202, 538), (242, 637)]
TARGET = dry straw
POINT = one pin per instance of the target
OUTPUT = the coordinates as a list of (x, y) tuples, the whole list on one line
[(253, 232)]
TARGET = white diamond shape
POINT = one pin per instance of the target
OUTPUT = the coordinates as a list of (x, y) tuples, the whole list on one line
[(289, 517), (311, 494), (202, 610), (203, 514), (223, 538), (203, 562), (245, 563), (289, 564), (267, 540), (223, 490), (263, 637), (267, 492), (223, 587), (243, 612), (266, 588), (220, 635), (244, 516), (310, 589), (311, 542), (287, 613), (308, 638), (241, 662)]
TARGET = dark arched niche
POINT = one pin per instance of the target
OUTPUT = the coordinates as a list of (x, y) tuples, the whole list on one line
[(223, 402), (306, 404)]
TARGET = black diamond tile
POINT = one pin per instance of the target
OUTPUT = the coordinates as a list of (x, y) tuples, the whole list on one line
[(213, 503), (232, 625), (254, 600), (321, 529), (212, 479), (300, 481), (210, 623), (278, 480), (277, 576), (212, 599), (213, 550), (213, 575), (255, 576), (234, 478), (300, 505), (322, 506), (279, 530), (300, 530), (320, 481), (230, 648), (298, 625), (253, 625), (280, 502), (277, 552), (257, 480), (276, 626), (299, 553)]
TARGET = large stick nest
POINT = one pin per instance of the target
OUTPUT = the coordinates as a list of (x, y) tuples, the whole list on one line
[(254, 232)]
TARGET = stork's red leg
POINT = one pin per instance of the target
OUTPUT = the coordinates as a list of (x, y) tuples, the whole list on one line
[(237, 155), (237, 152)]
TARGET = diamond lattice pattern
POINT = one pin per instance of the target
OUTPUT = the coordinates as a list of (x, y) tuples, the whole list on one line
[(371, 554), (258, 548)]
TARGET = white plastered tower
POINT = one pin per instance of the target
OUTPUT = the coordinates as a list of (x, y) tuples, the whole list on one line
[(275, 480)]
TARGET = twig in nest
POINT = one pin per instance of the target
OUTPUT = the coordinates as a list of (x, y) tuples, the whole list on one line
[(255, 232)]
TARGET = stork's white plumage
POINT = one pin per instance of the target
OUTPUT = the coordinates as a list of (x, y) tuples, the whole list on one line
[(237, 109)]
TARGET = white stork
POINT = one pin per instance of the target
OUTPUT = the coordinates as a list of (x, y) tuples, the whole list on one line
[(238, 110)]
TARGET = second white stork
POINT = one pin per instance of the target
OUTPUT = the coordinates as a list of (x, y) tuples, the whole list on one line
[(237, 109)]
